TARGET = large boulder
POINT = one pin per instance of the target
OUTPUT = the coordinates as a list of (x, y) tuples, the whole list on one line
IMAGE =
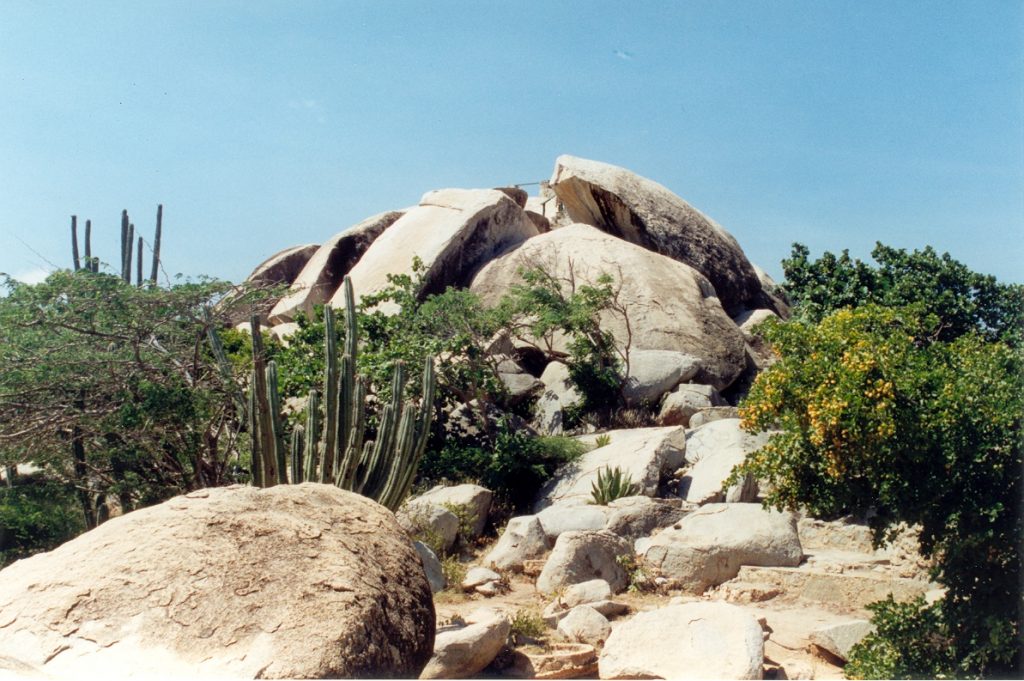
[(645, 213), (583, 556), (635, 517), (452, 231), (708, 546), (704, 640), (471, 503), (522, 540), (463, 650), (571, 517), (652, 373), (712, 451), (557, 394), (323, 273), (642, 453), (294, 581), (430, 523), (681, 404), (283, 266), (668, 305)]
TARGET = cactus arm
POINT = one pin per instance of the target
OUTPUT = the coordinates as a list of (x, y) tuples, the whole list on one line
[(312, 428), (296, 454), (330, 427), (138, 269), (90, 264), (156, 244), (263, 404), (74, 243), (256, 452), (277, 448), (422, 434)]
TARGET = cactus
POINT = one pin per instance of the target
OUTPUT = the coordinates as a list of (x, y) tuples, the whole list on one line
[(74, 243), (138, 270), (156, 243), (90, 263), (335, 451)]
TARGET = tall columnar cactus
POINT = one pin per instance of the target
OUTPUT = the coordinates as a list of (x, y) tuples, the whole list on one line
[(336, 450), (156, 243), (74, 243), (128, 244)]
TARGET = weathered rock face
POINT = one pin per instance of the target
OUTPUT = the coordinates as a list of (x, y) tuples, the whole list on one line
[(708, 546), (430, 522), (283, 266), (643, 516), (682, 403), (473, 501), (453, 231), (323, 273), (690, 641), (652, 373), (554, 520), (522, 540), (670, 305), (714, 449), (643, 453), (583, 556), (645, 213), (295, 581)]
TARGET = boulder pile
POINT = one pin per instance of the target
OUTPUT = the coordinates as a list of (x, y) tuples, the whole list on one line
[(687, 295)]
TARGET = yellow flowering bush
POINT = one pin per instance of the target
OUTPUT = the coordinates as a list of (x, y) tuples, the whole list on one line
[(876, 415)]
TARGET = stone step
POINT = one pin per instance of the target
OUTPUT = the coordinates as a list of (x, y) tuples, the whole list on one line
[(852, 590)]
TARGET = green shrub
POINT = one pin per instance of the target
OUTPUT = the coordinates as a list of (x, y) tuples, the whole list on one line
[(514, 466), (527, 625), (37, 515), (873, 412), (910, 642)]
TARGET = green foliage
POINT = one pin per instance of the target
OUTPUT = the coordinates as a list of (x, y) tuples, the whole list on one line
[(602, 440), (909, 642), (110, 386), (544, 305), (612, 484), (513, 467), (878, 415), (454, 571), (36, 515), (640, 580), (527, 626), (963, 300)]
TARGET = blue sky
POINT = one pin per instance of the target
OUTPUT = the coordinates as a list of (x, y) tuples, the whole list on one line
[(261, 125)]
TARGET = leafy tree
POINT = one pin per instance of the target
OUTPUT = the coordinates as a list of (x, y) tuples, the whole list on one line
[(544, 306), (879, 416), (961, 299), (112, 388)]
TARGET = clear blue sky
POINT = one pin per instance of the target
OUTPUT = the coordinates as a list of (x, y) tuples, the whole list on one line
[(262, 125)]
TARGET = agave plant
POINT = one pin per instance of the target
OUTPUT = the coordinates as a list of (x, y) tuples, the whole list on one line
[(612, 484)]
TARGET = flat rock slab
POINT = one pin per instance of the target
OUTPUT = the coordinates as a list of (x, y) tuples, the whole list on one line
[(704, 640), (294, 581)]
